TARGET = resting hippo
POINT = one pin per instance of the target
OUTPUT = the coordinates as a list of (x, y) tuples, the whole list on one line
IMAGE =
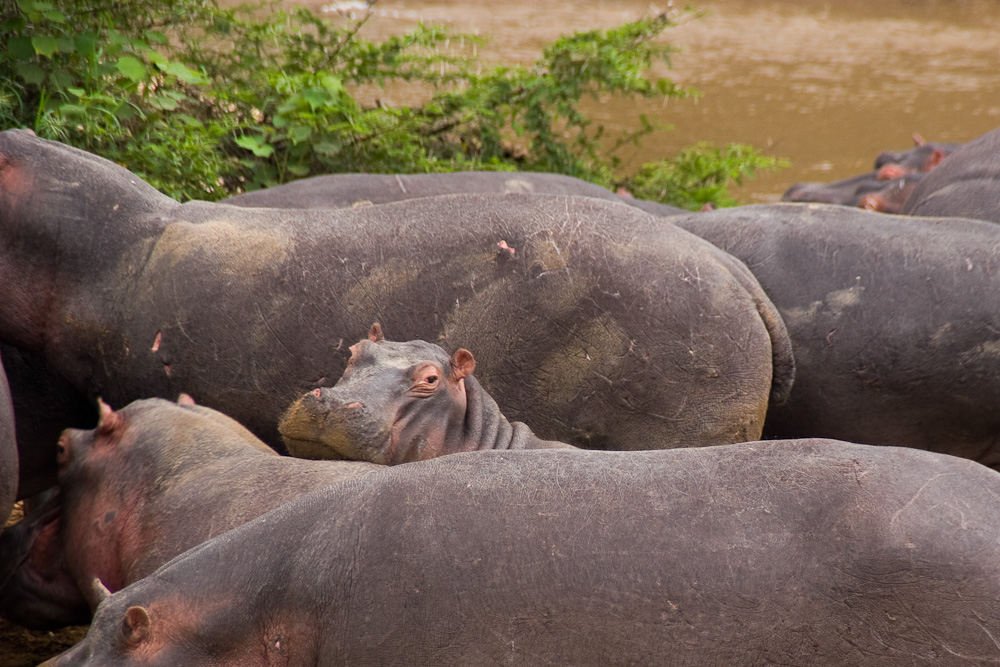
[(892, 196), (595, 322), (921, 159), (804, 552), (400, 402), (895, 322), (868, 191), (8, 448), (343, 190), (152, 480), (966, 185)]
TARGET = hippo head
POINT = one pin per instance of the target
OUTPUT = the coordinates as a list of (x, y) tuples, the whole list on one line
[(396, 402)]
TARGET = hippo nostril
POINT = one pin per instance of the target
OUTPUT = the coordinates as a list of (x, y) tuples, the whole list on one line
[(353, 406), (317, 392)]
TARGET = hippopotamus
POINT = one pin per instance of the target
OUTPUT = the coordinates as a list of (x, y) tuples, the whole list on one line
[(893, 194), (846, 192), (344, 190), (150, 481), (965, 186), (868, 191), (923, 158), (399, 402), (805, 552), (8, 448), (895, 322), (595, 322)]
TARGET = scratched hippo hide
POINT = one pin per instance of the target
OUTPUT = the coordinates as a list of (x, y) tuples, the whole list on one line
[(596, 323), (8, 448), (806, 552), (895, 322), (966, 185), (343, 190), (152, 480)]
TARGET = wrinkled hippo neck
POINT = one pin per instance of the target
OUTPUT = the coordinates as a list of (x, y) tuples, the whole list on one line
[(486, 427)]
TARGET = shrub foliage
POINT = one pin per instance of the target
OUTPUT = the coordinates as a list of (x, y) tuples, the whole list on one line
[(205, 101)]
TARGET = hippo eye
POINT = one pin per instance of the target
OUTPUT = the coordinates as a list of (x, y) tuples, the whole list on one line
[(431, 379)]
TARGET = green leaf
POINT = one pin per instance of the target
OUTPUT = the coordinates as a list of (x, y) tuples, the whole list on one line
[(79, 92), (163, 102), (157, 36), (86, 44), (45, 45), (131, 68), (73, 111), (61, 78), (30, 73), (327, 147), (256, 144), (20, 48), (181, 71), (299, 133), (316, 97), (54, 16)]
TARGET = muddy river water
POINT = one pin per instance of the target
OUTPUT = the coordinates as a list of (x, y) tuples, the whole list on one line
[(827, 85)]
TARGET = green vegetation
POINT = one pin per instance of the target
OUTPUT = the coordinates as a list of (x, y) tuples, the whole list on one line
[(204, 101)]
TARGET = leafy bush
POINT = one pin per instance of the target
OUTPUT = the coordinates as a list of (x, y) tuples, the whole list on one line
[(204, 101)]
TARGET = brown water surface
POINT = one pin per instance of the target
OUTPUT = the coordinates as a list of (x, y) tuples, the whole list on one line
[(827, 85)]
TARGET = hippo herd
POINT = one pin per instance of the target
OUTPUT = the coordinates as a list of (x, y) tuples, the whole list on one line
[(581, 429)]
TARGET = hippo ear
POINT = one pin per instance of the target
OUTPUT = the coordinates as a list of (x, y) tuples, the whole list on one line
[(918, 140), (100, 590), (934, 160), (135, 626), (185, 399), (375, 333), (108, 421), (462, 364)]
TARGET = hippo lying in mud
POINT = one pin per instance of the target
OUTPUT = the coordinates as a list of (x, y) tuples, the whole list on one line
[(595, 322), (895, 322), (8, 448), (966, 185), (400, 402), (806, 552), (152, 480), (343, 190)]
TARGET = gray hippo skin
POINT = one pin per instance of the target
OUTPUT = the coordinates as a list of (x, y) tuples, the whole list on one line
[(895, 322), (597, 323), (8, 449), (399, 402), (344, 190), (807, 552), (966, 185), (152, 480)]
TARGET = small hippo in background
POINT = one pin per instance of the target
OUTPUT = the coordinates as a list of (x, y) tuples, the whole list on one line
[(868, 191), (399, 402), (151, 481), (921, 159), (804, 552), (891, 197), (967, 185)]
